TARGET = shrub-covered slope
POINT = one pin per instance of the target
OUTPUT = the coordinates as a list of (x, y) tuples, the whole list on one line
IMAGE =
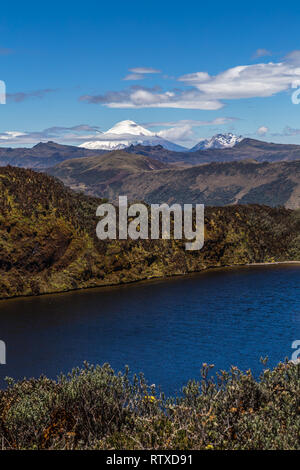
[(48, 240), (95, 408)]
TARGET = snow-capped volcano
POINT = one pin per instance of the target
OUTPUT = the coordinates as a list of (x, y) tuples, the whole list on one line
[(218, 141), (126, 133), (129, 127)]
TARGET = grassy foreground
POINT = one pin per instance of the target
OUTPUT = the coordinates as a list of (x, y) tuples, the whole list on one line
[(94, 408)]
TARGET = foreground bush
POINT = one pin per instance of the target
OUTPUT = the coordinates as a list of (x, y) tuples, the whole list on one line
[(94, 408)]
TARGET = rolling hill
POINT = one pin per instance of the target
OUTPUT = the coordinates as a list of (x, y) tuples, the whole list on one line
[(216, 184), (42, 155), (84, 174)]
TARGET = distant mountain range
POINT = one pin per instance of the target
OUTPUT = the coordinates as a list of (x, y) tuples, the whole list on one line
[(244, 149), (215, 184), (42, 155), (45, 155), (126, 133)]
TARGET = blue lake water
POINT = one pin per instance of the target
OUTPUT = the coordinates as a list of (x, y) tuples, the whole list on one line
[(166, 329)]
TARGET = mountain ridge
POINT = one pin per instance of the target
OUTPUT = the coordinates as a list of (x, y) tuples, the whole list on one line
[(47, 154), (215, 183), (245, 149)]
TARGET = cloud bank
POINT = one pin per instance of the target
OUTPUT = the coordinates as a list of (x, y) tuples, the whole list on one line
[(143, 97), (207, 92), (262, 53), (139, 73), (75, 134), (181, 132), (22, 96)]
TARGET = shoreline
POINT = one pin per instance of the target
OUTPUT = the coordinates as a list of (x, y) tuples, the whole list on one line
[(153, 279), (269, 263)]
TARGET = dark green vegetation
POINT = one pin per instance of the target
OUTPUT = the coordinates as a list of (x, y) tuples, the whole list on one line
[(216, 184), (94, 408), (48, 240), (42, 155)]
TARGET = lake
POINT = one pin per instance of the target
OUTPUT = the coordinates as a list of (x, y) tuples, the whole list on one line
[(166, 328)]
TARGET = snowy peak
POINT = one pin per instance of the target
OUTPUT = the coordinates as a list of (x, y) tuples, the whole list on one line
[(128, 127), (218, 141), (126, 133)]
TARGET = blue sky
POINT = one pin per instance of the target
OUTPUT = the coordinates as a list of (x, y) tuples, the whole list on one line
[(64, 66)]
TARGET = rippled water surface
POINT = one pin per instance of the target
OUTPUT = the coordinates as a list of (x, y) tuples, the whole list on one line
[(166, 329)]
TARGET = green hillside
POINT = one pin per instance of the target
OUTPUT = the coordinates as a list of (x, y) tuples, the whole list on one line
[(48, 241)]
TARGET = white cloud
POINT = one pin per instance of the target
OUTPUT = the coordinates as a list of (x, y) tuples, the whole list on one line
[(263, 130), (293, 57), (144, 70), (203, 91), (262, 53), (134, 76), (139, 73), (74, 134), (177, 134), (191, 122), (245, 81), (182, 131), (11, 135), (142, 97)]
